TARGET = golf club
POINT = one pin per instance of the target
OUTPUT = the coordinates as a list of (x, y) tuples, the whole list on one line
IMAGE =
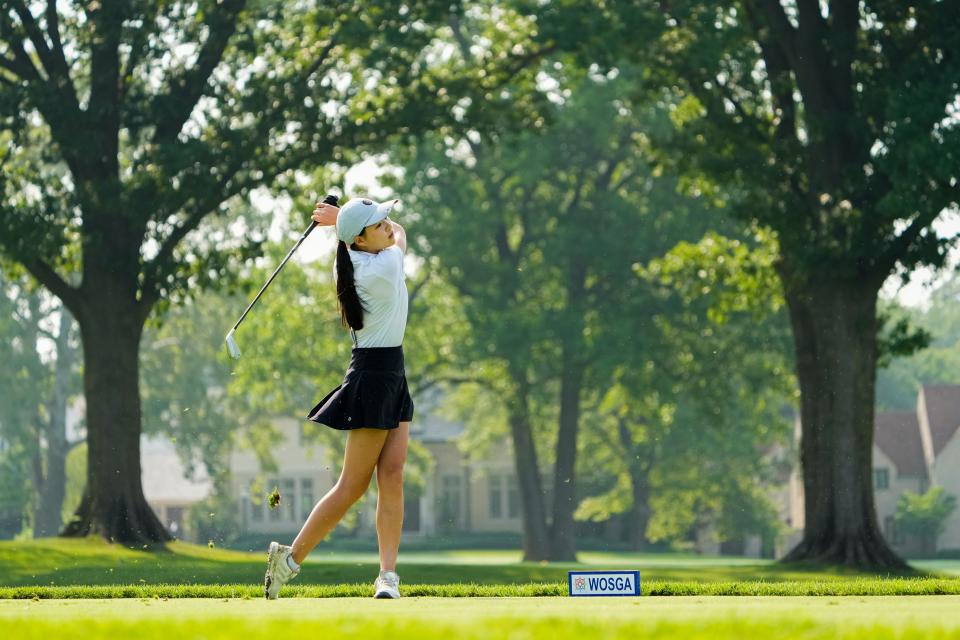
[(231, 343)]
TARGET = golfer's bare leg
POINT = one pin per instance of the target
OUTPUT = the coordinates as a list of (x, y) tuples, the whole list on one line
[(390, 495), (359, 459)]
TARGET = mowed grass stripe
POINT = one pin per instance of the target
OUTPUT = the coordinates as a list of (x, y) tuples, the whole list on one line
[(851, 587), (691, 618)]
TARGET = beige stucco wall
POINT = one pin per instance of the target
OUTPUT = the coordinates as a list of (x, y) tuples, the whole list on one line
[(497, 464), (886, 499), (946, 473), (296, 461), (474, 478)]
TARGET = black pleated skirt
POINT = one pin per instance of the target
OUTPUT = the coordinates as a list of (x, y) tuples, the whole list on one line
[(373, 395)]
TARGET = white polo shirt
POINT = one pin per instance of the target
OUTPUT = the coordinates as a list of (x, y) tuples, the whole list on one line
[(383, 291)]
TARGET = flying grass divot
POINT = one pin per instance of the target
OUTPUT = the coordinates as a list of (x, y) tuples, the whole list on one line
[(604, 583), (274, 498)]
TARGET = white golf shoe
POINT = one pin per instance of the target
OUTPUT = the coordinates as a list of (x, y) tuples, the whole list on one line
[(279, 572), (387, 585)]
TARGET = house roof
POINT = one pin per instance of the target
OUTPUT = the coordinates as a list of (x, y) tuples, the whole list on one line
[(897, 434), (943, 413)]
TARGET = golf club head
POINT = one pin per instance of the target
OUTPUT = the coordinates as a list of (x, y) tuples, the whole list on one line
[(232, 346)]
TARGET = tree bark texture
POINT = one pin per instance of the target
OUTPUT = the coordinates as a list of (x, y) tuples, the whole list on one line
[(562, 538), (835, 335), (113, 505), (639, 468), (536, 543), (562, 545)]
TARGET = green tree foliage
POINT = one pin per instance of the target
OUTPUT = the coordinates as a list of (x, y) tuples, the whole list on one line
[(939, 363), (126, 125), (732, 372), (707, 393), (925, 515), (539, 233), (38, 377), (834, 125), (294, 351)]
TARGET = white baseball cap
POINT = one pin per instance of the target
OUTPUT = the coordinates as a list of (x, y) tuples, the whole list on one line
[(358, 213)]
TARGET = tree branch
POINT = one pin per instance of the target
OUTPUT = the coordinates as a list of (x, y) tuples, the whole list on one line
[(174, 107), (453, 21), (200, 209), (903, 243), (845, 20), (138, 46), (16, 69), (312, 69), (48, 277), (54, 60), (776, 18), (419, 288), (420, 389), (812, 24), (521, 63), (21, 64), (35, 35)]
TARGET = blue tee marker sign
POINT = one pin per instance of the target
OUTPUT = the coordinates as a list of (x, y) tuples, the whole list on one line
[(604, 583)]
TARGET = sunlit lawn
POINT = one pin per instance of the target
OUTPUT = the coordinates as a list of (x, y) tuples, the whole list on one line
[(94, 562), (698, 618)]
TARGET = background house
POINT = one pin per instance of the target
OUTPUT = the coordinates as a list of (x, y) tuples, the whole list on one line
[(169, 489), (912, 451), (461, 494)]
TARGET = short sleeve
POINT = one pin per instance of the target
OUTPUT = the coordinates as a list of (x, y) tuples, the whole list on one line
[(388, 264)]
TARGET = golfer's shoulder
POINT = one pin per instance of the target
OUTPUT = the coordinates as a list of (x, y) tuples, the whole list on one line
[(389, 260), (386, 265)]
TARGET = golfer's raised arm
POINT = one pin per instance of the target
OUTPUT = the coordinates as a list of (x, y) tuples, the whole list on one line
[(399, 236), (325, 215)]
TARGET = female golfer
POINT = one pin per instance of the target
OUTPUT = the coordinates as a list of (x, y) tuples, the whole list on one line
[(373, 404)]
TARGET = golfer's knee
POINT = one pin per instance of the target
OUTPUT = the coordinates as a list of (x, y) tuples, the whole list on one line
[(390, 475), (353, 489)]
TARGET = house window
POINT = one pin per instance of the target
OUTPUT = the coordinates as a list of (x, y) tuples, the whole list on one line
[(513, 498), (289, 499), (449, 508), (892, 532), (306, 497), (496, 496), (881, 479), (175, 518), (411, 514), (256, 508)]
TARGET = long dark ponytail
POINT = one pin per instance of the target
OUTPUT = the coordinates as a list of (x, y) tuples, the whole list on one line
[(351, 310)]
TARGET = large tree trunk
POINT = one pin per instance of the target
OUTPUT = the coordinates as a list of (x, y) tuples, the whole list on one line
[(639, 516), (562, 547), (639, 468), (535, 541), (47, 517), (835, 336), (113, 505)]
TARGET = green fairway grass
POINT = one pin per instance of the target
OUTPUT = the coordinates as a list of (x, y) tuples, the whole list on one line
[(697, 618), (848, 587), (91, 562)]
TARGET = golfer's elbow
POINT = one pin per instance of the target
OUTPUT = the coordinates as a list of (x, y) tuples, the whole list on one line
[(400, 236)]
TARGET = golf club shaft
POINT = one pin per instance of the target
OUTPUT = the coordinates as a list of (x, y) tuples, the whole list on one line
[(313, 225)]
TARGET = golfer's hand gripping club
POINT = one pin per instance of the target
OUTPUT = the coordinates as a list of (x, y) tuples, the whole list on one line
[(231, 343)]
